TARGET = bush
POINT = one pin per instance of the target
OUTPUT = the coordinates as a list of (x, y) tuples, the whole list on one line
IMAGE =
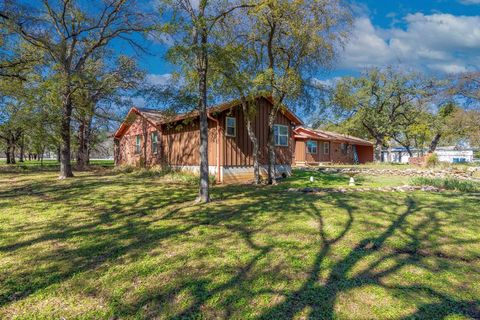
[(166, 173), (448, 184), (124, 169), (431, 160)]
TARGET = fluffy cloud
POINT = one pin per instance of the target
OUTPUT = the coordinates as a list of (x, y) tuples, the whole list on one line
[(159, 79), (437, 42), (469, 2)]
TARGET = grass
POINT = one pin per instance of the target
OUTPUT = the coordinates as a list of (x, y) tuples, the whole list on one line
[(120, 246), (48, 165), (448, 184), (301, 179)]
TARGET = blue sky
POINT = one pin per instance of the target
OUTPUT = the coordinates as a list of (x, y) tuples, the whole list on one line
[(436, 36)]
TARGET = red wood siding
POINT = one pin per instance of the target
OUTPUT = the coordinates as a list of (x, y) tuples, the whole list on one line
[(238, 150), (127, 155), (365, 153), (181, 141)]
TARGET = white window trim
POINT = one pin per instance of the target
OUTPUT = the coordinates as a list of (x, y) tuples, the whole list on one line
[(278, 144), (234, 128), (139, 149), (316, 147), (326, 147), (151, 138)]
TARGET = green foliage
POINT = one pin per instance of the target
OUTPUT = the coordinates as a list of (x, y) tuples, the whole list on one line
[(384, 104), (448, 184)]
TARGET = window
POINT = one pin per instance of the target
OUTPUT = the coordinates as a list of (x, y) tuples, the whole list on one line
[(344, 148), (154, 142), (138, 144), (231, 127), (326, 148), (280, 134), (312, 147)]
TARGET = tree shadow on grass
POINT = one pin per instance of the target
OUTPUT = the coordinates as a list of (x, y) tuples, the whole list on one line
[(124, 228), (118, 227), (320, 296)]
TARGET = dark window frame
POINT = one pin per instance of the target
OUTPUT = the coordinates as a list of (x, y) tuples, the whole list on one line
[(308, 146)]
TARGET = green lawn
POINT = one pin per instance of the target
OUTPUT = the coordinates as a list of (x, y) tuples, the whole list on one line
[(126, 246), (47, 165)]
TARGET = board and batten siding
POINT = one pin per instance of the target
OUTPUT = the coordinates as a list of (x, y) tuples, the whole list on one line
[(238, 151), (180, 143)]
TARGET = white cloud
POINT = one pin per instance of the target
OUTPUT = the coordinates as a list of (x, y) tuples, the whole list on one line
[(326, 83), (438, 42), (159, 79), (469, 2)]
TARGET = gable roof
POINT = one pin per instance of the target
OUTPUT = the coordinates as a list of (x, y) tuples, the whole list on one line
[(158, 117), (304, 133)]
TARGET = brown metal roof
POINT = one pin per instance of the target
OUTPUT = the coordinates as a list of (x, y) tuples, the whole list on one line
[(304, 133), (158, 117)]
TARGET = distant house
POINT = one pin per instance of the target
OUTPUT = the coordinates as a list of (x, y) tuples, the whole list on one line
[(399, 154), (451, 154), (316, 146), (149, 137), (454, 154)]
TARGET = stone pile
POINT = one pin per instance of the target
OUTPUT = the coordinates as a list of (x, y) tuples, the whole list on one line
[(405, 188), (470, 173)]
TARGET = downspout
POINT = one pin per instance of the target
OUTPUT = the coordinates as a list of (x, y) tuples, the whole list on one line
[(219, 178)]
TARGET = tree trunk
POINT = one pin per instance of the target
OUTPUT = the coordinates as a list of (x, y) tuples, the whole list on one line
[(7, 154), (271, 117), (58, 154), (41, 156), (202, 64), (83, 143), (65, 155), (409, 151), (434, 143), (271, 148), (251, 134), (22, 149), (88, 139), (378, 150), (12, 153)]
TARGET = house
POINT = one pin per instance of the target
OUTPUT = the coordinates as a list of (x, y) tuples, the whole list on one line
[(454, 154), (399, 154), (313, 147), (451, 154), (149, 137)]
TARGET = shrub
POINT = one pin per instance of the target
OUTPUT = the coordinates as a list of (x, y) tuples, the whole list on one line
[(165, 173), (431, 160), (124, 169), (448, 184)]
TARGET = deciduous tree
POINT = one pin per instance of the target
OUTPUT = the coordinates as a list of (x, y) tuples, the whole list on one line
[(294, 40), (68, 34)]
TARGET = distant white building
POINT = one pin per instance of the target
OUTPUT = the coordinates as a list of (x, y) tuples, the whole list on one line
[(398, 155), (452, 154)]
